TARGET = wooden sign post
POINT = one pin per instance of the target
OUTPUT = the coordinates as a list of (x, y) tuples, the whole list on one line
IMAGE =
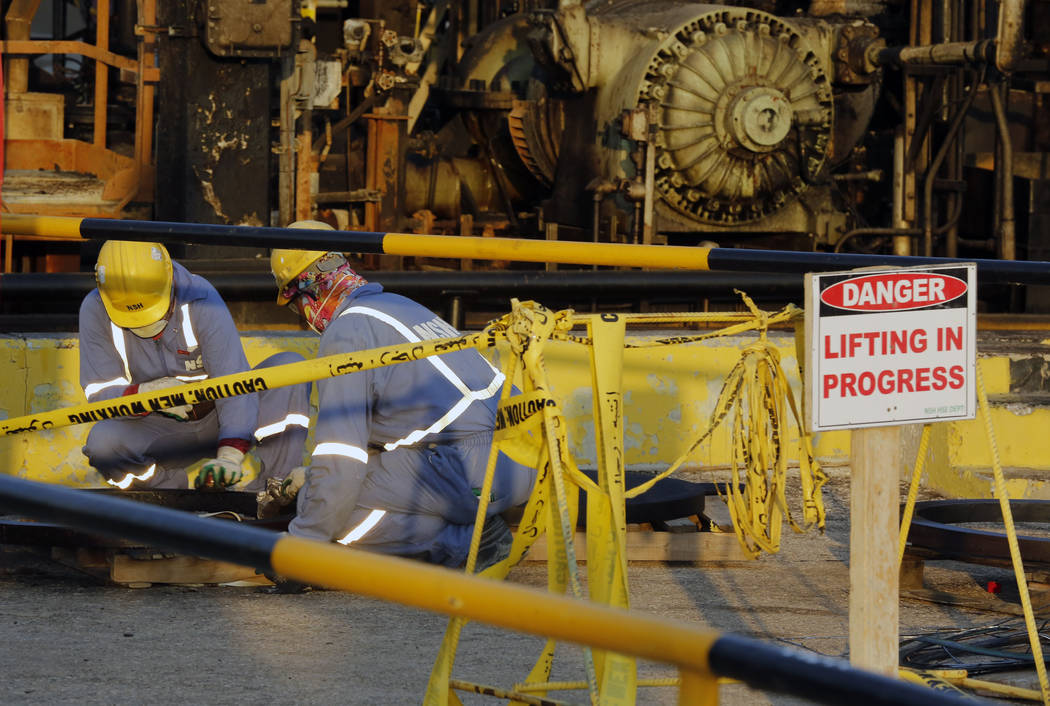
[(886, 347), (874, 605)]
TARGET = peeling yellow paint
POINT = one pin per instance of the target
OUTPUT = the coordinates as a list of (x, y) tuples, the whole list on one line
[(669, 396), (996, 374)]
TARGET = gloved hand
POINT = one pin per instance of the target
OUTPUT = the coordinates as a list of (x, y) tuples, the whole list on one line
[(291, 485), (182, 412), (222, 471), (279, 493)]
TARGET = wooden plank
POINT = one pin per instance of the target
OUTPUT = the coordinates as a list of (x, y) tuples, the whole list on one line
[(178, 569), (662, 546), (874, 604)]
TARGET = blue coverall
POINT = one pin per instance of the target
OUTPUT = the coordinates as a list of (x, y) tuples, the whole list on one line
[(401, 450), (199, 342)]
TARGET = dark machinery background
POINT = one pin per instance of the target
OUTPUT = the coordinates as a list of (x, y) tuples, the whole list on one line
[(881, 126)]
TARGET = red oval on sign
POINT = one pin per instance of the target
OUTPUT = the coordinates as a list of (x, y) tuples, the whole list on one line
[(893, 291)]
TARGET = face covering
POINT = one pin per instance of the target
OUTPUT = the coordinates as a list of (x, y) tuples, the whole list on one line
[(321, 288), (157, 327), (150, 330)]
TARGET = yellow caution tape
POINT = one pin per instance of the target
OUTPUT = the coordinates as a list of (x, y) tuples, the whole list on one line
[(755, 392), (531, 429), (246, 382)]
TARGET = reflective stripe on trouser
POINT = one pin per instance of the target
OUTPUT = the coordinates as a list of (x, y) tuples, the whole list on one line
[(287, 407), (155, 478), (426, 537), (116, 447), (441, 480), (428, 495)]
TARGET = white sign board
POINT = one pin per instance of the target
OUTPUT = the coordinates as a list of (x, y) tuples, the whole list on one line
[(891, 346)]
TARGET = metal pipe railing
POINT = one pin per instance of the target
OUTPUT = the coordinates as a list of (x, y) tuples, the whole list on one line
[(700, 654), (519, 249)]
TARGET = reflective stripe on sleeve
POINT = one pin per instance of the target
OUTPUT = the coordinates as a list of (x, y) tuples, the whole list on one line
[(298, 420), (331, 448), (363, 528), (118, 343), (191, 378), (117, 334), (130, 478), (97, 387), (187, 328)]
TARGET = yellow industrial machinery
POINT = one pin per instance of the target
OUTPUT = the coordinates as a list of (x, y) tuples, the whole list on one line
[(883, 126)]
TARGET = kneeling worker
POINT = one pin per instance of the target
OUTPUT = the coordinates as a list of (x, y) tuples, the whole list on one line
[(151, 325), (401, 450)]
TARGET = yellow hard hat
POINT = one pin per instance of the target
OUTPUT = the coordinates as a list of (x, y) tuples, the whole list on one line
[(287, 264), (135, 281)]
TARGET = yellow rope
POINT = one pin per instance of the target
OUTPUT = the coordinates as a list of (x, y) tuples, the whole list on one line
[(913, 491), (756, 392), (1011, 538)]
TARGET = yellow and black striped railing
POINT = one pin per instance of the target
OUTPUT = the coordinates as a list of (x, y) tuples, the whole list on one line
[(700, 655), (519, 249)]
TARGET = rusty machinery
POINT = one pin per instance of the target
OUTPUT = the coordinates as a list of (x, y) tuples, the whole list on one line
[(854, 125)]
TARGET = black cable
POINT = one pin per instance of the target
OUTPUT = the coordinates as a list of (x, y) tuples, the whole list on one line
[(950, 650)]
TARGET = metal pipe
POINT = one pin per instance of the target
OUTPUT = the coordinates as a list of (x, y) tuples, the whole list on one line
[(671, 257), (694, 650), (927, 190), (1005, 51), (1007, 242), (1009, 37), (856, 232), (901, 243), (286, 156), (17, 22), (946, 54), (101, 107), (603, 285)]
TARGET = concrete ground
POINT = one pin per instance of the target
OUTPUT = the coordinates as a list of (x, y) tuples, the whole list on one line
[(66, 639)]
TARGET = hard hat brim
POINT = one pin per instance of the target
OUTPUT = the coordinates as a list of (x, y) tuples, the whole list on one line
[(137, 319)]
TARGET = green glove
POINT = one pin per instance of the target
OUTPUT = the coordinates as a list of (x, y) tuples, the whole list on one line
[(222, 471)]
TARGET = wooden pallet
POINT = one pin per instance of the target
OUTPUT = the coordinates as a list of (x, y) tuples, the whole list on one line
[(117, 566), (678, 541), (642, 545)]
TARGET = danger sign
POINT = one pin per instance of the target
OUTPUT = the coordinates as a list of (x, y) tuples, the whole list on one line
[(894, 346)]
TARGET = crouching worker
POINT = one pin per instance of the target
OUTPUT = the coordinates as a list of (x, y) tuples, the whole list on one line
[(151, 325), (400, 451)]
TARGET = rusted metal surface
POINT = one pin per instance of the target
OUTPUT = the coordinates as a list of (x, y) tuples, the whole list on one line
[(123, 178), (243, 28), (509, 115), (213, 132)]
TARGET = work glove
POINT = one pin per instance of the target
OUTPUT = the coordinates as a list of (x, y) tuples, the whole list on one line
[(182, 412), (279, 493), (222, 471)]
